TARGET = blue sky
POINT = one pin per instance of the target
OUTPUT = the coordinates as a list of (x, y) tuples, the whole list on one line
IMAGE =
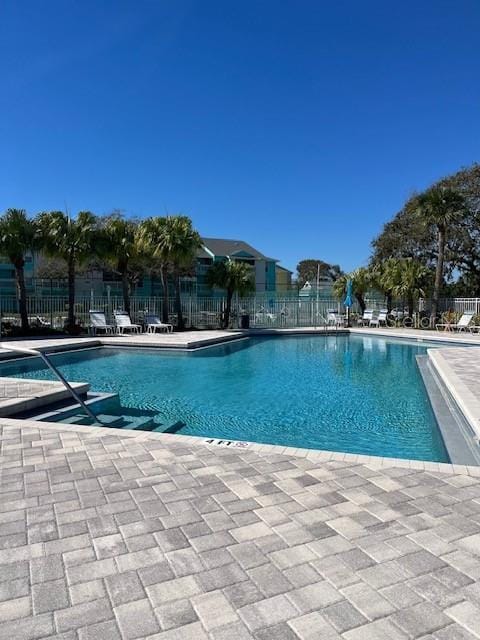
[(298, 126)]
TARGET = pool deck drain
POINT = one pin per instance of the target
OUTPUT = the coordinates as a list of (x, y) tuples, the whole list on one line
[(108, 534)]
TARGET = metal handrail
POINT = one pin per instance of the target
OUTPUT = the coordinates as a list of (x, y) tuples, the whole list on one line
[(63, 380)]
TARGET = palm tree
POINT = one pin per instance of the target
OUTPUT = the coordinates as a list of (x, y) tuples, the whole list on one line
[(381, 279), (439, 207), (17, 237), (362, 280), (72, 239), (118, 245), (179, 242), (150, 242), (407, 279), (234, 277)]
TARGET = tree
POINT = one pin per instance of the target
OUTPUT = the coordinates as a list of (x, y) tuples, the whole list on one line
[(49, 268), (361, 282), (151, 245), (17, 237), (381, 279), (234, 277), (463, 242), (172, 242), (119, 247), (406, 278), (179, 242), (308, 270), (439, 207), (73, 240), (406, 235)]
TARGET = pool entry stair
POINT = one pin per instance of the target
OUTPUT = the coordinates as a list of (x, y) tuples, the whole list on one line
[(109, 412), (119, 422)]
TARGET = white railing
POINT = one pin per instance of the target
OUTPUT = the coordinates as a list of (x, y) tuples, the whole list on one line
[(202, 313), (455, 304), (264, 310)]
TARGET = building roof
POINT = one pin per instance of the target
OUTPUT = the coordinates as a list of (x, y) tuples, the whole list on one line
[(279, 266), (223, 247)]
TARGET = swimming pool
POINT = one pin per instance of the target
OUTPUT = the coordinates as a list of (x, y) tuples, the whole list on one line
[(340, 393)]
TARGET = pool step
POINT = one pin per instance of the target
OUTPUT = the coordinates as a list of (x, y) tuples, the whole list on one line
[(105, 419), (140, 423), (173, 428)]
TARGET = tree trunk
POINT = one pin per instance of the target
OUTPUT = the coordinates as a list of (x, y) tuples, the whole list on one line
[(22, 295), (361, 302), (178, 301), (228, 309), (389, 301), (71, 293), (410, 305), (164, 279), (126, 291), (438, 276)]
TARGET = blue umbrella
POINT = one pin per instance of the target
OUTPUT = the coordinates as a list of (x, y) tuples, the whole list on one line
[(348, 302)]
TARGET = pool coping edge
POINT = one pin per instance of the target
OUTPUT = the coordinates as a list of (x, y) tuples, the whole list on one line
[(314, 455)]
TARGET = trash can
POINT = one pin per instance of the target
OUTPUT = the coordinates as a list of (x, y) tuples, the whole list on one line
[(245, 321)]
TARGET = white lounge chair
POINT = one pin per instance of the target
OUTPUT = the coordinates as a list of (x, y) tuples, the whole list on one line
[(366, 318), (153, 323), (123, 323), (461, 325), (377, 320), (334, 318), (98, 322)]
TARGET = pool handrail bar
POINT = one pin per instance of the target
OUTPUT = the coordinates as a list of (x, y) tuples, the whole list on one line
[(63, 380)]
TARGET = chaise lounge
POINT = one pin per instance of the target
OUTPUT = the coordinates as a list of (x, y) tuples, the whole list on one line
[(123, 323), (379, 319), (461, 325), (153, 323), (98, 322)]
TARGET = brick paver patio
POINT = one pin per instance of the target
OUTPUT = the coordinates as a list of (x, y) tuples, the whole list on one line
[(105, 537)]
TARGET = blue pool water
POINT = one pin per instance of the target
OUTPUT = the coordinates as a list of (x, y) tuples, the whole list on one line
[(345, 393)]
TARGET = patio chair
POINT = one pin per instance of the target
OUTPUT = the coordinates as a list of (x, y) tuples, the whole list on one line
[(461, 325), (98, 322), (123, 323), (153, 322), (377, 320), (334, 318), (366, 318)]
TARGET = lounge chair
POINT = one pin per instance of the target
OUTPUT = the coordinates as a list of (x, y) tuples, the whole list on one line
[(334, 318), (123, 323), (377, 320), (461, 325), (366, 318), (98, 322), (153, 323)]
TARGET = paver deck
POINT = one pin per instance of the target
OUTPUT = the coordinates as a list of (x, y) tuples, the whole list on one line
[(185, 340), (459, 368), (18, 395), (105, 535)]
